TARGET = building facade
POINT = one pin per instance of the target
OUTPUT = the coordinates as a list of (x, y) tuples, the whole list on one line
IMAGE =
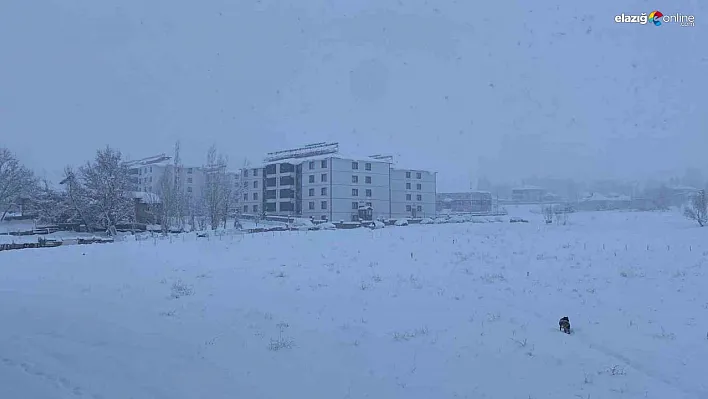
[(465, 202), (316, 181), (146, 178), (528, 194), (412, 193)]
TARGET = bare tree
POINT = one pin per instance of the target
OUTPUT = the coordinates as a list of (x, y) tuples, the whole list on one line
[(216, 191), (698, 209), (166, 192), (548, 213), (16, 181)]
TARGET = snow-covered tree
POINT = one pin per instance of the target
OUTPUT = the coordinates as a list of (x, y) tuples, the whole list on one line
[(698, 210), (51, 206), (16, 181), (77, 198), (106, 181)]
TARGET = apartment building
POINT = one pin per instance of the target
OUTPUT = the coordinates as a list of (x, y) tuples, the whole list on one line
[(412, 193), (146, 176), (251, 190), (317, 181)]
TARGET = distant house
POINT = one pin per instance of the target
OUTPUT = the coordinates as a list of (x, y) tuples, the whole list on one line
[(600, 202), (467, 202), (528, 194), (147, 207)]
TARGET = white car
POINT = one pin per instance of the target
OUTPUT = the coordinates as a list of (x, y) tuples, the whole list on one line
[(401, 222), (326, 226), (377, 225), (427, 221)]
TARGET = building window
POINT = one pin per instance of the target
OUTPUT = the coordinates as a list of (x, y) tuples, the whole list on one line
[(355, 165), (255, 184), (311, 205), (419, 208), (189, 189), (255, 196), (311, 165), (255, 208), (418, 175), (367, 180), (270, 207), (368, 192), (245, 197), (355, 192), (311, 192), (368, 204), (271, 182), (408, 197), (323, 205), (270, 169), (189, 180), (245, 184), (408, 208), (311, 179), (323, 191), (323, 177), (151, 169), (355, 179), (245, 172), (245, 208), (255, 172), (408, 186), (355, 205), (419, 197), (190, 171), (367, 166), (323, 164), (287, 167), (418, 186), (408, 175)]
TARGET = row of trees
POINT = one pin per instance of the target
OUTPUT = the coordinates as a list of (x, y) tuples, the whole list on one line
[(99, 194), (211, 208)]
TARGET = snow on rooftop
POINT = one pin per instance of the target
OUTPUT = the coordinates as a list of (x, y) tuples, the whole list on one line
[(601, 197), (528, 187)]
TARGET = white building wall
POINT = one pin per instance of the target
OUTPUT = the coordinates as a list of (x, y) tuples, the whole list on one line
[(316, 169), (343, 184), (412, 193), (252, 190)]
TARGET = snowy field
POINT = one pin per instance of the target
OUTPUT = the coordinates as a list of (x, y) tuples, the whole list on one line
[(426, 311)]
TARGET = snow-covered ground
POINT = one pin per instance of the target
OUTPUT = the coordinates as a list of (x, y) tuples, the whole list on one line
[(423, 311)]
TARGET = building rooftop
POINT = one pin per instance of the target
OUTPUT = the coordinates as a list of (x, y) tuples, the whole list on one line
[(527, 187), (161, 159)]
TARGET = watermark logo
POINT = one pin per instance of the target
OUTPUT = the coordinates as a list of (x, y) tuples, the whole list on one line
[(657, 18)]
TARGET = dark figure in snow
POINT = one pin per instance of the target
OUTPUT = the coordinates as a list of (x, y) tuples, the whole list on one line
[(564, 324)]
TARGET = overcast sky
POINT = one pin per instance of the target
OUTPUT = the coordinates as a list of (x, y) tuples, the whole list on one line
[(502, 89)]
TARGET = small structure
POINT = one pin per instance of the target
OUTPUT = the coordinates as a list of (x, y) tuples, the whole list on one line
[(147, 207), (528, 194), (465, 202)]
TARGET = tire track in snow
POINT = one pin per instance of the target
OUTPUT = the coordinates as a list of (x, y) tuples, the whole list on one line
[(58, 381)]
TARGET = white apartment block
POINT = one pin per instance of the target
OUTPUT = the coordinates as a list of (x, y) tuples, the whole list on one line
[(316, 181), (412, 193), (146, 176), (251, 191)]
